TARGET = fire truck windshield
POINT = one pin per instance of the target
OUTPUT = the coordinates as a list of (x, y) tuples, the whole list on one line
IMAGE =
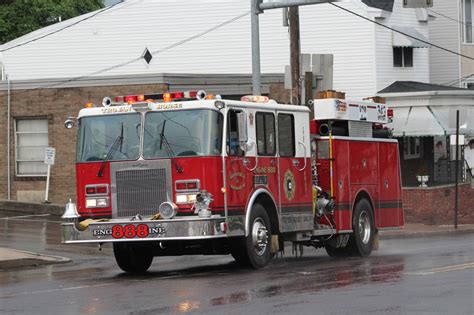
[(187, 133), (97, 135)]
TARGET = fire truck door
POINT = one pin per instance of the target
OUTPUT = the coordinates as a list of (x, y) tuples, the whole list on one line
[(265, 174), (294, 173), (238, 181)]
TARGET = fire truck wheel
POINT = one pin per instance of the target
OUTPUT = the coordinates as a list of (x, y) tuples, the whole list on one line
[(255, 249), (364, 230), (132, 258), (337, 252)]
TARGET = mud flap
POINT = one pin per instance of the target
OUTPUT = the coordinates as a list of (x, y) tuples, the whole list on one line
[(275, 244), (375, 243)]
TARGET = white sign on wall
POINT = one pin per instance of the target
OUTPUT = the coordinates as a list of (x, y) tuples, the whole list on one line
[(49, 156)]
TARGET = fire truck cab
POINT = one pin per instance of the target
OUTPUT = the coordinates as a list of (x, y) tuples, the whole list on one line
[(184, 173)]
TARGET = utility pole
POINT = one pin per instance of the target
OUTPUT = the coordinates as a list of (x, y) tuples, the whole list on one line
[(456, 171), (295, 51), (258, 7), (256, 76)]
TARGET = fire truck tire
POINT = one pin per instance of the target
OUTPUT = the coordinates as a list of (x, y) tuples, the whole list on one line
[(132, 258), (361, 242), (255, 249), (337, 252)]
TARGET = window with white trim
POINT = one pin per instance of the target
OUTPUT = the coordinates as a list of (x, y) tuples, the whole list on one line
[(31, 140), (468, 14), (403, 57)]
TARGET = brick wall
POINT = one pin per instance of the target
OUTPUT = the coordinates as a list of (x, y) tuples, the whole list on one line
[(57, 105), (435, 205)]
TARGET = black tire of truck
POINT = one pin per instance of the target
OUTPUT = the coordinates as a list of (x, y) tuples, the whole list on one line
[(362, 240), (133, 258), (254, 250), (337, 252)]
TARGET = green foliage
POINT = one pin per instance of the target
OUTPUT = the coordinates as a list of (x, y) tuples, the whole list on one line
[(19, 17)]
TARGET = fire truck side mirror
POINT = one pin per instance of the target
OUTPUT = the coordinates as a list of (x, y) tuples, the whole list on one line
[(242, 127)]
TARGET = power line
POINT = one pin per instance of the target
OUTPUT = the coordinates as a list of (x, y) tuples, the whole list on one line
[(61, 29), (447, 17), (156, 52), (455, 81), (400, 32)]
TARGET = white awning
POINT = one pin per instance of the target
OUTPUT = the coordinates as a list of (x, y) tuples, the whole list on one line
[(400, 40), (415, 121), (431, 121)]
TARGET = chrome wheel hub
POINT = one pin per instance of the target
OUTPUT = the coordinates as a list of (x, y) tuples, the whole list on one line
[(364, 227), (259, 236)]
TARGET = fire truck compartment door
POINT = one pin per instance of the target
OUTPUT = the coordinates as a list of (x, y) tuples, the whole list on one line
[(363, 162), (390, 201)]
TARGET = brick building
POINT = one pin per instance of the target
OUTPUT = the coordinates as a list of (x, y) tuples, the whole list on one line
[(37, 116)]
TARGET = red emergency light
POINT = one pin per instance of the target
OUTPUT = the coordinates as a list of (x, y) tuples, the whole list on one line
[(390, 113), (187, 185), (165, 97)]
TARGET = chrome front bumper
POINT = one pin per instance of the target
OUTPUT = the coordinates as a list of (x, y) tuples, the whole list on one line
[(120, 230)]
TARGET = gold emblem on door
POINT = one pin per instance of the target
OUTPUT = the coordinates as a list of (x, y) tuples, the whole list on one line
[(289, 185)]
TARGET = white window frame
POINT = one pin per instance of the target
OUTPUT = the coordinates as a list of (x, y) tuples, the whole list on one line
[(464, 22), (407, 155), (17, 174)]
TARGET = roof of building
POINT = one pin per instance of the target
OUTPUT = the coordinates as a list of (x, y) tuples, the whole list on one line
[(412, 86), (386, 5)]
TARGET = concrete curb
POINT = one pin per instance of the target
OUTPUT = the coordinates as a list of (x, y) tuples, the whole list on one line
[(14, 259), (31, 208), (415, 234)]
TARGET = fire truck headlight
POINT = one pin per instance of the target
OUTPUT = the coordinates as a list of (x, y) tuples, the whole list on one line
[(91, 203), (102, 202), (97, 202), (167, 210), (185, 198)]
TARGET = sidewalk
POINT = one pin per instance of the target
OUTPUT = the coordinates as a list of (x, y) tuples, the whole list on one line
[(11, 258), (420, 230)]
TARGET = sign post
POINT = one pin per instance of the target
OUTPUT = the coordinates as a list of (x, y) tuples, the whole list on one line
[(49, 156)]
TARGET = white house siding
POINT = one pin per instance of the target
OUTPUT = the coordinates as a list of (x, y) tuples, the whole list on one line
[(467, 65), (444, 66), (326, 29), (122, 33), (386, 73)]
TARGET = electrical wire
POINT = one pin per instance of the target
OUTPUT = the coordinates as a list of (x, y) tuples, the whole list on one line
[(156, 52), (61, 29), (455, 81), (447, 17), (400, 32)]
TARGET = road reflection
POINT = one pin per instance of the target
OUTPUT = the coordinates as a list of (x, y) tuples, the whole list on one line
[(357, 272)]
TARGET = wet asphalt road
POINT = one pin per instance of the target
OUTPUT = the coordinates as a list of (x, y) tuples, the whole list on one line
[(406, 276)]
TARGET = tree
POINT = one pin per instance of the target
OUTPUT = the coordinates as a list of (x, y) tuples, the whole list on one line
[(19, 17)]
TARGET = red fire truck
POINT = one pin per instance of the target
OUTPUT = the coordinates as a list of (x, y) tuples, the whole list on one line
[(185, 173)]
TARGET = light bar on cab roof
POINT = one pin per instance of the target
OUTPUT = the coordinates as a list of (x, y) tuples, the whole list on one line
[(165, 97), (255, 99)]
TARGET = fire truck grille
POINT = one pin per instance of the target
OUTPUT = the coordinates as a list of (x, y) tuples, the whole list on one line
[(140, 191)]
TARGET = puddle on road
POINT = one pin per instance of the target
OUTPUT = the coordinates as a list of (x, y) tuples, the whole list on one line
[(358, 273)]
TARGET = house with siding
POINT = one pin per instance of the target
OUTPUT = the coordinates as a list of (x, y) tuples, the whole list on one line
[(49, 74), (452, 27)]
